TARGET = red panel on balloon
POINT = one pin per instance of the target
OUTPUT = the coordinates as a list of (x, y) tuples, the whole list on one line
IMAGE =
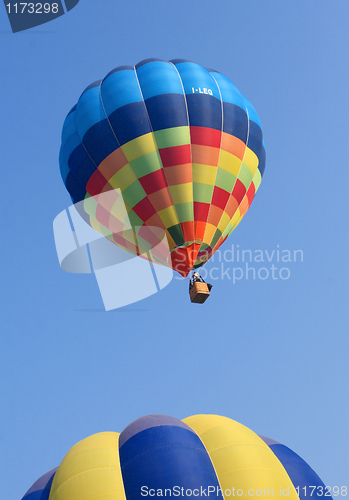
[(206, 136), (239, 191), (144, 209), (177, 155), (153, 182)]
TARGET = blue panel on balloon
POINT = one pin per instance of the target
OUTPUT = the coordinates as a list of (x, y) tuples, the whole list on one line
[(81, 165), (34, 495), (167, 111), (120, 88), (69, 127), (147, 61), (157, 78), (129, 122), (300, 473), (255, 138), (68, 146), (252, 114), (75, 189), (163, 457), (235, 121), (195, 78), (89, 110), (41, 488), (229, 93), (100, 141), (262, 158), (118, 69), (204, 111)]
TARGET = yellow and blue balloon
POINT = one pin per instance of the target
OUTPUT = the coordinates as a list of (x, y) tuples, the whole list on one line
[(157, 455)]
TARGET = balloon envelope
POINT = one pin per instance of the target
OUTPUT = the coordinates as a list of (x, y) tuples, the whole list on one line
[(179, 143), (159, 455)]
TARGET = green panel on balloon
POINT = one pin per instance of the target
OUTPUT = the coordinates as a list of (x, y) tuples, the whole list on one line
[(202, 192), (215, 238), (245, 175), (176, 234), (134, 194), (172, 137), (257, 179), (184, 212), (146, 164), (225, 180)]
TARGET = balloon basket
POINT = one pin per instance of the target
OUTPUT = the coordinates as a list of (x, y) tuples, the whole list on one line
[(199, 292)]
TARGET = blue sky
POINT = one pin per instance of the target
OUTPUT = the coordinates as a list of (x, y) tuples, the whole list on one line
[(271, 354)]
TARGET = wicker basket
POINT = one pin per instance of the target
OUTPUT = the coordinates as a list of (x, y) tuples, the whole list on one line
[(199, 292)]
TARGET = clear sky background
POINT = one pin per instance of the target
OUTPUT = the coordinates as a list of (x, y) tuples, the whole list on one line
[(271, 354)]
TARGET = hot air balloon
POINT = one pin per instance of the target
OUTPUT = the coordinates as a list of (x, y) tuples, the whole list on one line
[(182, 148), (157, 455)]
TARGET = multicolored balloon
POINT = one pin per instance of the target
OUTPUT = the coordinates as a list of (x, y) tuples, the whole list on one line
[(201, 456), (181, 144)]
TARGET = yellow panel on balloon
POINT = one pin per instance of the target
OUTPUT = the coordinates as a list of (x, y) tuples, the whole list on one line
[(209, 233), (243, 462), (182, 193), (168, 216), (204, 174), (229, 162), (123, 178), (251, 160), (236, 217), (90, 470), (139, 147)]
